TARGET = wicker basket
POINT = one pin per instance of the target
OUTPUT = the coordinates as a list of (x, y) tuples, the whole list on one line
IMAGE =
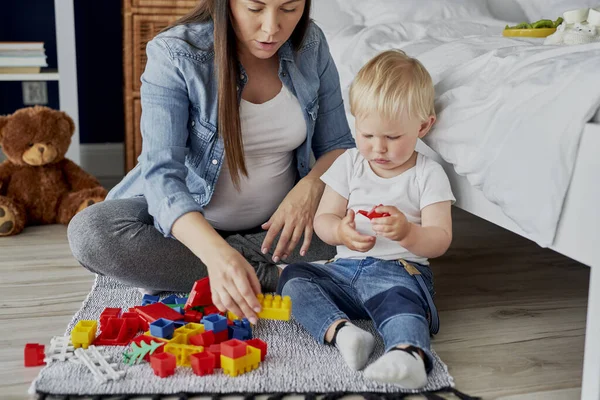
[(142, 20)]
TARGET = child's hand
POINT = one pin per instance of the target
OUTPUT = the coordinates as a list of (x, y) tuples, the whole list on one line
[(349, 236), (395, 227)]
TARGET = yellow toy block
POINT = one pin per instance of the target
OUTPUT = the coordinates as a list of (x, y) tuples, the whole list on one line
[(182, 352), (188, 331), (273, 307), (234, 367), (84, 333)]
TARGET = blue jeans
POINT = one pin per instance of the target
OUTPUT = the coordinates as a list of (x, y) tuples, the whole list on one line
[(375, 289)]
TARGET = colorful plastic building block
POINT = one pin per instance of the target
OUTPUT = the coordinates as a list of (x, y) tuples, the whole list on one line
[(106, 314), (200, 294), (214, 322), (372, 214), (169, 299), (119, 331), (156, 311), (243, 323), (179, 324), (192, 316), (182, 351), (273, 307), (222, 336), (84, 333), (162, 328), (204, 339), (203, 363), (34, 355), (233, 348), (163, 364), (189, 330), (236, 366), (181, 300), (149, 299), (237, 332), (259, 344), (216, 350)]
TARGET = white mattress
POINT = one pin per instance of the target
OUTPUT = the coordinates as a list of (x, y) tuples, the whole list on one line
[(510, 112)]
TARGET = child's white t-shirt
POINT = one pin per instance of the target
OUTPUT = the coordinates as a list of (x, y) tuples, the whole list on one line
[(424, 184)]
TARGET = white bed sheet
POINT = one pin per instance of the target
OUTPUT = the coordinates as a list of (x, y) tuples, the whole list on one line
[(510, 111)]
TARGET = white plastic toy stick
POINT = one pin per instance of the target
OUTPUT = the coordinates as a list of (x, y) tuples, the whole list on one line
[(61, 349), (98, 366)]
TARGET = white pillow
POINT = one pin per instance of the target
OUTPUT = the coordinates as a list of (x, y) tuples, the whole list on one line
[(552, 9), (371, 12)]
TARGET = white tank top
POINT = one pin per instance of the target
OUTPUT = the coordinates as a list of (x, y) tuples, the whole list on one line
[(271, 131)]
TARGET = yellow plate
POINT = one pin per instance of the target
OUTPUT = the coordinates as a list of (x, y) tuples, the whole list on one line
[(539, 33)]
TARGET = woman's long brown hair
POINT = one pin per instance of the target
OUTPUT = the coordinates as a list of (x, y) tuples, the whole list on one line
[(227, 65)]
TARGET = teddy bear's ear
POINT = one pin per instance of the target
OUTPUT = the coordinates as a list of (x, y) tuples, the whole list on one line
[(3, 122), (68, 120)]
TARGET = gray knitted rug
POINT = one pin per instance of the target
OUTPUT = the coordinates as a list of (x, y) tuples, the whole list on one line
[(295, 363)]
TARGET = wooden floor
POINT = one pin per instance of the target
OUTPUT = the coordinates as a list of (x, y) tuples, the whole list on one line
[(512, 314)]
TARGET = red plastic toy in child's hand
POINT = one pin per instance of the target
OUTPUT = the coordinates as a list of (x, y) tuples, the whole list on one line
[(372, 214)]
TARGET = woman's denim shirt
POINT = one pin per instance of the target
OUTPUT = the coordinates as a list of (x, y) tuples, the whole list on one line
[(182, 153)]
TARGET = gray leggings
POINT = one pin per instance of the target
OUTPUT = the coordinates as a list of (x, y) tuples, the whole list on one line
[(117, 238)]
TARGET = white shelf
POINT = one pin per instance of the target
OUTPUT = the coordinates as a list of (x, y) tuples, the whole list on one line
[(48, 75)]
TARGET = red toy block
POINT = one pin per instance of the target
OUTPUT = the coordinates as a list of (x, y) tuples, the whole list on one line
[(163, 364), (222, 336), (212, 309), (233, 348), (118, 331), (108, 313), (34, 354), (216, 350), (147, 339), (203, 363), (200, 294), (204, 339), (192, 316), (259, 344), (372, 214), (155, 311)]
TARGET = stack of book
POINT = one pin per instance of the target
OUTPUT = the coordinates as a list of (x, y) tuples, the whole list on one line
[(22, 57)]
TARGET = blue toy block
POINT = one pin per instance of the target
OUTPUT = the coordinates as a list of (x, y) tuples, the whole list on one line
[(181, 300), (236, 332), (162, 328), (243, 323), (214, 322), (169, 299), (149, 299), (180, 323), (179, 310)]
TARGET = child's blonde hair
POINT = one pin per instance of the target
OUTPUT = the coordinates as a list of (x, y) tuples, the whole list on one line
[(392, 83)]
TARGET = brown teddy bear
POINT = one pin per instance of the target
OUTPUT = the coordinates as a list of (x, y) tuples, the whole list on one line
[(37, 184)]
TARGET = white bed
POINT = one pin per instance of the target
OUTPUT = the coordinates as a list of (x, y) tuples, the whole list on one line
[(570, 221)]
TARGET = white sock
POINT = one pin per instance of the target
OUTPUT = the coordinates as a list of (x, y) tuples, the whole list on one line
[(355, 344), (398, 367)]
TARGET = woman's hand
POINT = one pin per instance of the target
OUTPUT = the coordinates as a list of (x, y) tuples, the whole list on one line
[(233, 283), (294, 217)]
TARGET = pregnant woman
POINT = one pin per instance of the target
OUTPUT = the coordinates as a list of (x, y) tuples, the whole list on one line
[(236, 96)]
